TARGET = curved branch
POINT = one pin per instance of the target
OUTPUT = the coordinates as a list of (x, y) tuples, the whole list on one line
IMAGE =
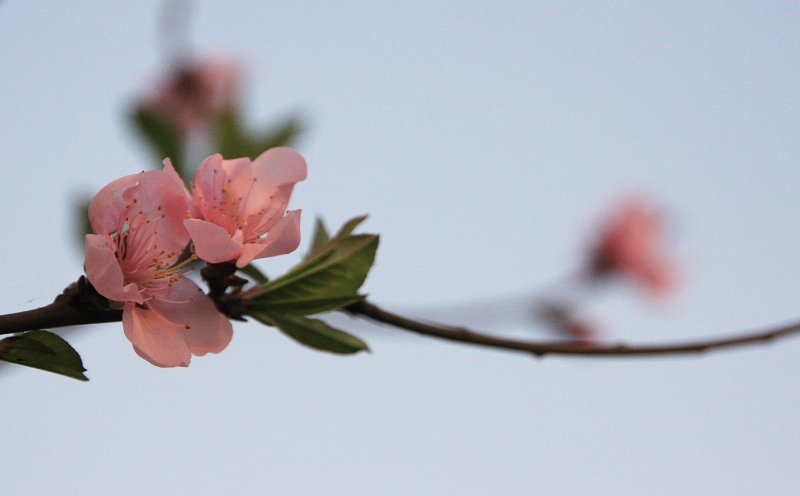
[(464, 335), (80, 304)]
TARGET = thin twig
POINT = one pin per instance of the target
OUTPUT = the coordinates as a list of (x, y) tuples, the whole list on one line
[(464, 335)]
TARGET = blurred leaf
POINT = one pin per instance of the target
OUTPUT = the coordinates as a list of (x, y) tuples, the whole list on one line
[(253, 273), (43, 350), (234, 141), (231, 141), (162, 136), (284, 134), (313, 333), (320, 239), (80, 208)]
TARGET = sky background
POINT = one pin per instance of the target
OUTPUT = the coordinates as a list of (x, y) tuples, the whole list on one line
[(485, 140)]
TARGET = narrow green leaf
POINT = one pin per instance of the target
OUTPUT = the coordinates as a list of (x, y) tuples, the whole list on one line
[(253, 273), (314, 333), (328, 279), (80, 209), (339, 270), (320, 239), (162, 136), (231, 139), (350, 226), (284, 134), (234, 141), (45, 351), (307, 306)]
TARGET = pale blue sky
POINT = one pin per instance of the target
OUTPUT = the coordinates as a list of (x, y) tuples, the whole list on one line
[(485, 141)]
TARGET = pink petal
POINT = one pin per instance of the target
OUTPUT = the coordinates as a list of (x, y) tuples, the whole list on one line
[(155, 338), (169, 170), (104, 272), (204, 329), (280, 165), (205, 178), (159, 191), (239, 177), (283, 238), (103, 216), (275, 173), (659, 277), (212, 243)]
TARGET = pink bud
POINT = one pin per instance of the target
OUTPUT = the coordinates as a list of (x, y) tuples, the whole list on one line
[(630, 244)]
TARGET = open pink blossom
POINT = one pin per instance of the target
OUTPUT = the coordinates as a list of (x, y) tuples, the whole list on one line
[(196, 93), (236, 202), (630, 244), (139, 235)]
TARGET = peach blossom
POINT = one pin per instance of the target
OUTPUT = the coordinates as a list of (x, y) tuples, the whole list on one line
[(131, 259), (236, 202), (630, 244), (196, 93)]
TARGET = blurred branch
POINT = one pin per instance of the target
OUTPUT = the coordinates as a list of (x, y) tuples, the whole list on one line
[(464, 335)]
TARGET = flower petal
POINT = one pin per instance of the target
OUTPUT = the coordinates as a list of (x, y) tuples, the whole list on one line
[(280, 165), (275, 173), (160, 191), (204, 328), (155, 338), (205, 177), (103, 215), (212, 243), (169, 170), (104, 272), (238, 180), (283, 238)]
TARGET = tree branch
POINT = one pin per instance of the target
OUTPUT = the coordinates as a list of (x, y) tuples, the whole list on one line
[(79, 304), (464, 335)]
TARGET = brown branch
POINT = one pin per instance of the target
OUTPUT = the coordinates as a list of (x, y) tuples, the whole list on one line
[(79, 304), (464, 335)]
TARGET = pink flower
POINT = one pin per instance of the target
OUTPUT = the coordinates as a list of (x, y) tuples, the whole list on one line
[(139, 235), (236, 202), (195, 94), (630, 244)]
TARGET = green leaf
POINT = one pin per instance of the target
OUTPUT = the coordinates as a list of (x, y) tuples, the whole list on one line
[(328, 280), (320, 239), (350, 226), (338, 270), (234, 141), (313, 333), (231, 139), (43, 350), (253, 273), (284, 134), (80, 208), (162, 135), (308, 306)]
